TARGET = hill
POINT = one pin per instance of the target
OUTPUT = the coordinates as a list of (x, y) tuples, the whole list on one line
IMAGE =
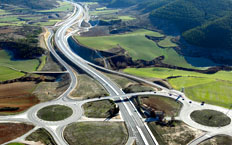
[(214, 34), (187, 14), (33, 4), (202, 22)]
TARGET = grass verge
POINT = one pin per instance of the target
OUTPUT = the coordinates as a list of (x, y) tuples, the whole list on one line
[(98, 109), (218, 140), (88, 88), (41, 135), (97, 133)]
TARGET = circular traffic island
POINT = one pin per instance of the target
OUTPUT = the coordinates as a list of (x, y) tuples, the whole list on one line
[(54, 113), (210, 118)]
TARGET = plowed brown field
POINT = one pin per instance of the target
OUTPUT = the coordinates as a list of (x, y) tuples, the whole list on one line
[(10, 131), (17, 95)]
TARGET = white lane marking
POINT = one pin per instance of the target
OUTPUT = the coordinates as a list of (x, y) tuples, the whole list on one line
[(152, 136), (142, 135), (126, 106)]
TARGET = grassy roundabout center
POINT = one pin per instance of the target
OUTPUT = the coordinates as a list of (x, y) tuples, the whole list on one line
[(210, 118), (54, 113)]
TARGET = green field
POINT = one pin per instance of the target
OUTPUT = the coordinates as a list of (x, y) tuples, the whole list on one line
[(167, 42), (25, 65), (137, 45), (101, 9), (16, 143), (3, 12), (42, 62), (9, 74), (63, 6), (211, 88), (11, 21), (48, 23), (123, 18), (104, 12), (5, 62), (126, 18)]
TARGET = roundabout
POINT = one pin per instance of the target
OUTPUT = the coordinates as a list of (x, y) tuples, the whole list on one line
[(54, 113), (210, 118)]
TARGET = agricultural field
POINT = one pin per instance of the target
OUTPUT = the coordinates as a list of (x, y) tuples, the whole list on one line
[(115, 17), (20, 99), (47, 23), (3, 12), (16, 143), (97, 133), (54, 113), (10, 131), (137, 46), (63, 6), (9, 74), (126, 18), (98, 109), (25, 65), (6, 65), (101, 9), (211, 88), (167, 42), (104, 12), (11, 21)]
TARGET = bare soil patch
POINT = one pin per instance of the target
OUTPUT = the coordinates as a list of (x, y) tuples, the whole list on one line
[(17, 95), (6, 30), (169, 106), (218, 140), (52, 64), (179, 134), (10, 131), (46, 91)]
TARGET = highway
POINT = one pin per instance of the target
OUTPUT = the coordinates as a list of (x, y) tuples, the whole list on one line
[(133, 121), (137, 128)]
